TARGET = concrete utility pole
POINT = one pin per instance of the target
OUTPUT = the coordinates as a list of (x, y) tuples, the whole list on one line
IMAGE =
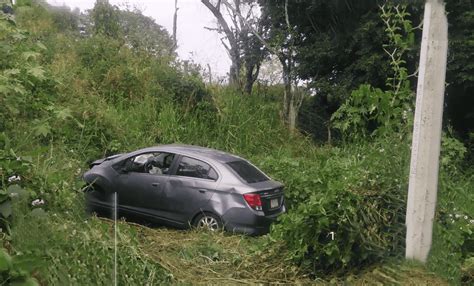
[(426, 143)]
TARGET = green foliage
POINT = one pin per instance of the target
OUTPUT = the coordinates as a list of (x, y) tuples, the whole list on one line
[(453, 243), (21, 75), (12, 271), (401, 39), (105, 18), (11, 166), (356, 193), (452, 154), (333, 233), (144, 35), (468, 271), (79, 250), (371, 111)]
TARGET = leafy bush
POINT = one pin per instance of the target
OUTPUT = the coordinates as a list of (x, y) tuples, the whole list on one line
[(333, 233), (21, 74), (13, 272), (452, 154), (12, 169), (453, 243), (371, 111), (347, 208)]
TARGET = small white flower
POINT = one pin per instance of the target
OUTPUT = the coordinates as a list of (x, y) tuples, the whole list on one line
[(14, 178), (465, 217), (457, 215), (381, 150), (471, 221), (37, 202)]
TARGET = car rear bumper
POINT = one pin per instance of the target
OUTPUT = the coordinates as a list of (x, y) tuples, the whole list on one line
[(243, 220)]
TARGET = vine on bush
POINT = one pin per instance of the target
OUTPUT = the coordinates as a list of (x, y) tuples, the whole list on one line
[(371, 111)]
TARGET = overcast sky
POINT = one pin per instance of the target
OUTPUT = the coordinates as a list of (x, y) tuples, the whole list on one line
[(194, 42)]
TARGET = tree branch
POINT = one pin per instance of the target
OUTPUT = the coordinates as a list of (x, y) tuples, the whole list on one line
[(252, 29), (220, 19)]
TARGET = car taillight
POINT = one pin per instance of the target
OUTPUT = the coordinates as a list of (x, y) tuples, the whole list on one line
[(254, 201)]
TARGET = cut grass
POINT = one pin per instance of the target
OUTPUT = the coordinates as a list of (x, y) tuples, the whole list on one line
[(198, 257)]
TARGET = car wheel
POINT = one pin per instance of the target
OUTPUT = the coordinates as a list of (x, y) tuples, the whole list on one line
[(208, 221)]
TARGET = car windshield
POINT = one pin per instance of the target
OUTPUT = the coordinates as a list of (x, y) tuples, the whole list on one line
[(246, 171)]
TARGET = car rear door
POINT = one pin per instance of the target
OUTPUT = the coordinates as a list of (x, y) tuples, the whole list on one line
[(191, 186)]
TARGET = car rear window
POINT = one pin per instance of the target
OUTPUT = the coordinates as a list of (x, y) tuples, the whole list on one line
[(247, 172)]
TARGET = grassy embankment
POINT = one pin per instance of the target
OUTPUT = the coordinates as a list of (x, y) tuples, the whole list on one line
[(94, 97)]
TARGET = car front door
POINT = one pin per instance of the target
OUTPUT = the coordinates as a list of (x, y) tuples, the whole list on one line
[(191, 186), (141, 186)]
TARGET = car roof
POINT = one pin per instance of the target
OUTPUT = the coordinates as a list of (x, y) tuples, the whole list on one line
[(198, 151)]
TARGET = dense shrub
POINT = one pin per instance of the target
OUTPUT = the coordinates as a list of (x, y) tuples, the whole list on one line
[(333, 233), (347, 205)]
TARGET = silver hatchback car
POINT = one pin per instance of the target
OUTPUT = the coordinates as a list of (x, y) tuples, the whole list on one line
[(185, 185)]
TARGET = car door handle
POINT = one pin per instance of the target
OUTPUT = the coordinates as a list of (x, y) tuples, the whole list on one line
[(202, 191), (155, 184)]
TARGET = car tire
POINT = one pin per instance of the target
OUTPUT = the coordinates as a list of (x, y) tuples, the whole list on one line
[(208, 221)]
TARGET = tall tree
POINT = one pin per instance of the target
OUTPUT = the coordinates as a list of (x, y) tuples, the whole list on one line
[(280, 42), (143, 34), (105, 18), (175, 25), (245, 51), (338, 46)]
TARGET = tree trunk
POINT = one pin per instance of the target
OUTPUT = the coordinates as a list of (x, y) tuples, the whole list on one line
[(288, 96), (292, 114), (252, 70), (234, 70), (175, 25)]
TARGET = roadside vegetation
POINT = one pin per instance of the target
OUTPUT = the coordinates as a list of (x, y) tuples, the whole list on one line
[(74, 88)]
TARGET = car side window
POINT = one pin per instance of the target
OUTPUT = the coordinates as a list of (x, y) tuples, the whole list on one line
[(150, 163), (189, 167)]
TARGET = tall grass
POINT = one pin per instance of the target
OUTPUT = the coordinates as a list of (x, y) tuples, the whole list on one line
[(70, 248)]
